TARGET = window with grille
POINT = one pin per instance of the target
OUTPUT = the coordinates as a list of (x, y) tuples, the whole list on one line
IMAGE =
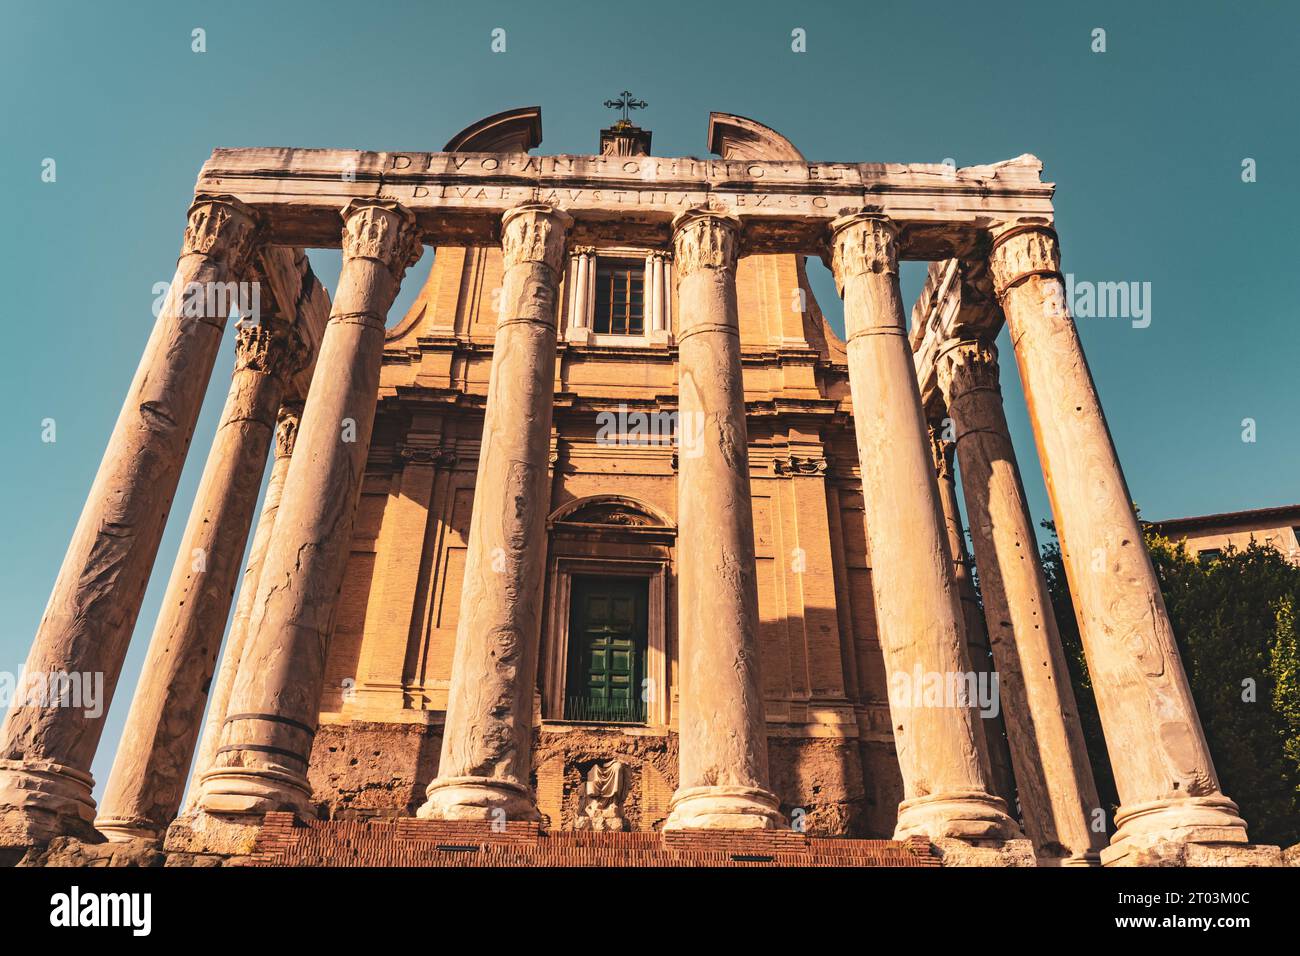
[(620, 297)]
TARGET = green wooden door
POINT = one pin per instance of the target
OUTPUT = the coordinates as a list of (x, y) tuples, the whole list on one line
[(607, 649)]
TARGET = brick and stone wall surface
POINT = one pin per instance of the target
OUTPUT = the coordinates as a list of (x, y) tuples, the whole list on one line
[(284, 842)]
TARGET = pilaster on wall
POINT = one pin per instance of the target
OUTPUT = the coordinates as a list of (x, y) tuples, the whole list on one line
[(391, 656), (800, 624), (392, 619)]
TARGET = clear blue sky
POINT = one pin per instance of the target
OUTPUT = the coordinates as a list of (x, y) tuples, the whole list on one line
[(1145, 142)]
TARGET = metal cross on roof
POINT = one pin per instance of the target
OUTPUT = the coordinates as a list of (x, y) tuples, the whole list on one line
[(625, 102)]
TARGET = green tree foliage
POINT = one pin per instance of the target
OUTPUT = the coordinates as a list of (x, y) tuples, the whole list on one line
[(1235, 621)]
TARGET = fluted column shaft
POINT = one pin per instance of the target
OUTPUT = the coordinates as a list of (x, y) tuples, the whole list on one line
[(46, 749), (940, 745), (1058, 797), (1163, 770), (261, 764), (650, 293), (487, 740), (578, 292), (148, 777), (582, 276), (723, 730), (658, 294), (286, 431)]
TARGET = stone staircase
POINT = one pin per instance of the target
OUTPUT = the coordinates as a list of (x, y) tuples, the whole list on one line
[(284, 841)]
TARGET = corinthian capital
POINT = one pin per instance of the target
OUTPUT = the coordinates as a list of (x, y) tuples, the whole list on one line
[(941, 450), (705, 239), (1022, 250), (863, 243), (534, 232), (286, 428), (383, 230), (270, 349), (220, 227), (964, 366)]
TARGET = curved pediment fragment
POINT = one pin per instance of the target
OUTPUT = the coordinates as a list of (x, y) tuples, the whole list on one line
[(511, 131)]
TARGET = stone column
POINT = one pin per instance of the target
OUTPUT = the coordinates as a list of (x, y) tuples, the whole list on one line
[(584, 284), (723, 729), (148, 777), (261, 764), (971, 614), (573, 280), (940, 747), (649, 293), (1058, 798), (1167, 785), (487, 740), (286, 430), (46, 749), (1002, 779), (659, 298)]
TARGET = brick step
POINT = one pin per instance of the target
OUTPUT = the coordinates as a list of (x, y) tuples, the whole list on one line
[(284, 841)]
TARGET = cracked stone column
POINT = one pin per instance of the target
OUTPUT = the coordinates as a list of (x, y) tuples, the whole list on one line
[(487, 740), (261, 764), (148, 777), (972, 615), (1167, 785), (286, 430), (1057, 794), (940, 745), (723, 729), (46, 749)]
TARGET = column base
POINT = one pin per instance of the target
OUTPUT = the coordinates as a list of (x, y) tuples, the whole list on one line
[(579, 336), (126, 830), (1086, 858), (41, 799), (968, 815), (1172, 853), (1017, 852), (1189, 820), (724, 808), (201, 832), (242, 791), (478, 798)]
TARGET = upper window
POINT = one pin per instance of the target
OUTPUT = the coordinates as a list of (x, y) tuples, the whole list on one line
[(620, 297)]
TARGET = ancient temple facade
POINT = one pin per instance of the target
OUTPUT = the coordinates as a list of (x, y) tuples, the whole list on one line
[(611, 531)]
